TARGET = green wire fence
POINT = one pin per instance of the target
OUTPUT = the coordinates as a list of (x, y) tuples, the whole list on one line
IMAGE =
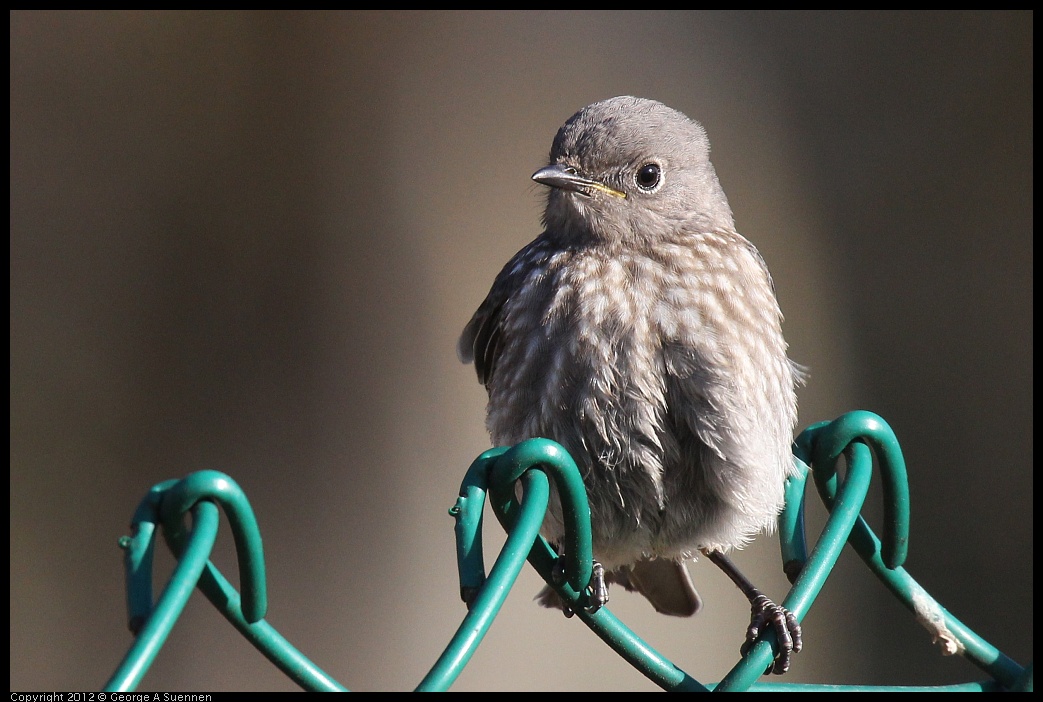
[(856, 436)]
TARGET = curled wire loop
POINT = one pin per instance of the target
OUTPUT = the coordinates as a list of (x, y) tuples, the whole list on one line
[(165, 506), (852, 435), (520, 481)]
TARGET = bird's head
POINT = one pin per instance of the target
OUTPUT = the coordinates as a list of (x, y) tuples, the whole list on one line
[(631, 169)]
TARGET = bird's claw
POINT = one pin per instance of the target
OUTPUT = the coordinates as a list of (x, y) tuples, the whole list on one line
[(766, 613), (597, 596)]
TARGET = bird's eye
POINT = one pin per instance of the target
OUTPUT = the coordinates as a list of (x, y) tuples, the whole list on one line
[(648, 176)]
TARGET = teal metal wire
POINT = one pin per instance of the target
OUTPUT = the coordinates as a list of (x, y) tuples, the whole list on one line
[(532, 465), (166, 504)]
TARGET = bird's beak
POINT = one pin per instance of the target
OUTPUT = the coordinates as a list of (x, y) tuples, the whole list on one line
[(567, 178)]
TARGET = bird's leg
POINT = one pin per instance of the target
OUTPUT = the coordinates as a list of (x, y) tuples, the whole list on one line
[(764, 612), (598, 597)]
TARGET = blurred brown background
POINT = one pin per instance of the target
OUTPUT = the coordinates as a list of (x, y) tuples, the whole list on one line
[(248, 242)]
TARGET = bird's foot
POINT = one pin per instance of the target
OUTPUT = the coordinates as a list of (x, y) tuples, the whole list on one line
[(765, 613), (597, 596)]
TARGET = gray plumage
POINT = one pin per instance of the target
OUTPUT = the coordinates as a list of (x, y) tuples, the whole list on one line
[(642, 332)]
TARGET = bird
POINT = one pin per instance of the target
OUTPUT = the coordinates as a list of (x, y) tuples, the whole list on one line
[(642, 332)]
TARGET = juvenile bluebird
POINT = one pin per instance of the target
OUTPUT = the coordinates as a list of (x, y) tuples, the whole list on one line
[(642, 333)]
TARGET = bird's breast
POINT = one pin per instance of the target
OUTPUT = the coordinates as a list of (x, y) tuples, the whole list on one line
[(598, 345), (582, 364)]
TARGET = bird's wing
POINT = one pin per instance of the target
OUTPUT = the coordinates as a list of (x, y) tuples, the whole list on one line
[(480, 342), (482, 338)]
